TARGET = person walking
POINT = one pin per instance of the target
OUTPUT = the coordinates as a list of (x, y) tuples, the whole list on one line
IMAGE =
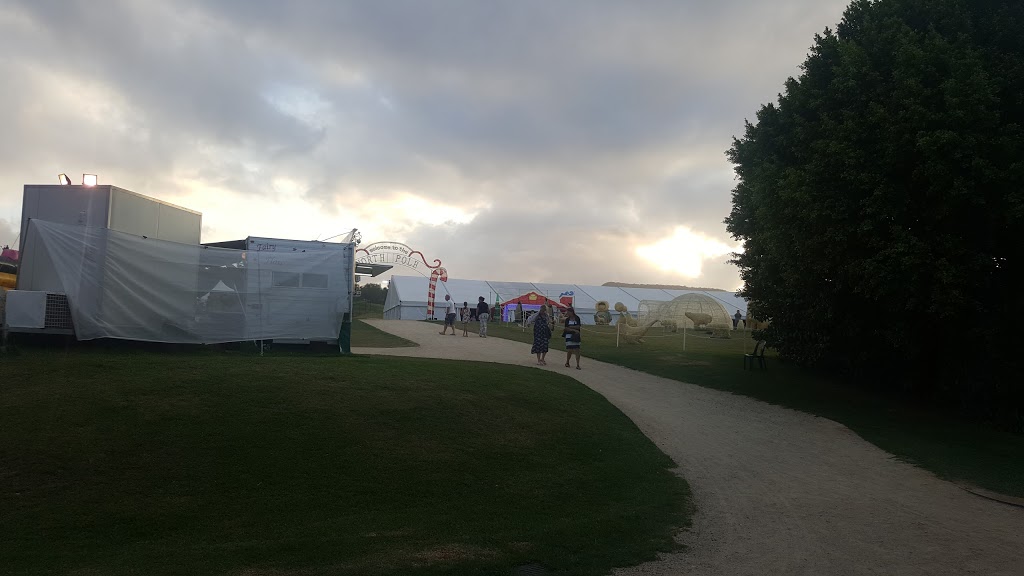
[(449, 315), (541, 334), (573, 334), (483, 314), (465, 318)]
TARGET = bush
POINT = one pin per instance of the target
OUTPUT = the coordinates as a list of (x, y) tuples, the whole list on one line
[(881, 199)]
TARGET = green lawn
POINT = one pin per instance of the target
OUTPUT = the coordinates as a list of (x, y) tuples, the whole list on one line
[(132, 462), (366, 336), (363, 309), (957, 450)]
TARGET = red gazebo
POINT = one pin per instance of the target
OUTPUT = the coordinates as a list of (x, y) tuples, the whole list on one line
[(530, 301)]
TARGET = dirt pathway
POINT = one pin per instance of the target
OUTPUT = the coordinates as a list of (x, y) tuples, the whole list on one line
[(777, 491)]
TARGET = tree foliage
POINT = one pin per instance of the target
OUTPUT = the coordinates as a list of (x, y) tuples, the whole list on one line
[(880, 200), (374, 293)]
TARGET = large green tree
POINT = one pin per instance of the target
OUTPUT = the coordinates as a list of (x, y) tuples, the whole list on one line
[(880, 201), (374, 293)]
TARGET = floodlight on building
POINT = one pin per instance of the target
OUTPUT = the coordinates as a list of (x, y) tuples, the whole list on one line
[(89, 179), (63, 179)]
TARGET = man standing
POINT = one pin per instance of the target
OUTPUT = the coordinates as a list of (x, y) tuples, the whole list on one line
[(483, 313), (449, 315), (736, 319)]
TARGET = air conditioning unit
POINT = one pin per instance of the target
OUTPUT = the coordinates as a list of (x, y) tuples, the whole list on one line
[(37, 311)]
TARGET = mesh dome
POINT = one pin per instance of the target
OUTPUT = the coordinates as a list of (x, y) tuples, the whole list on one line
[(684, 309)]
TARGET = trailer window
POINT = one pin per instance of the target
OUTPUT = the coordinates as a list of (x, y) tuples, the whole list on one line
[(286, 279), (314, 280)]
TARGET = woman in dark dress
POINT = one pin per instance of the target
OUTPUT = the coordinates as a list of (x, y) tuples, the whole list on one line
[(541, 334), (573, 333)]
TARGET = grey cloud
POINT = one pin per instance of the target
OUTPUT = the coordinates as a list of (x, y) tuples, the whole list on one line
[(199, 84), (551, 249), (8, 232), (612, 115), (503, 83)]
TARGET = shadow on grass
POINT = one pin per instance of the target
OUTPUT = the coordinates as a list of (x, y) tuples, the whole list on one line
[(130, 461), (363, 336)]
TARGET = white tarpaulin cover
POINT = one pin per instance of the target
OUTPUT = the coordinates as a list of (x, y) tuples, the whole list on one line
[(136, 288)]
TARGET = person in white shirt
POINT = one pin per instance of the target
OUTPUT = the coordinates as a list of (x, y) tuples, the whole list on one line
[(449, 315)]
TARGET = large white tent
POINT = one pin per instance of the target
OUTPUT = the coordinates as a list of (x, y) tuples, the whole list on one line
[(407, 296)]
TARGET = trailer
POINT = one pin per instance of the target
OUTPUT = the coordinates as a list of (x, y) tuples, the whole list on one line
[(284, 288)]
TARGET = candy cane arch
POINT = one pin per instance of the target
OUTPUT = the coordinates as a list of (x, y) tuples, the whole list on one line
[(438, 273)]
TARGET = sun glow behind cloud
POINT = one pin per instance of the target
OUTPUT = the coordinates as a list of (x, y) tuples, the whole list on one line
[(418, 209), (426, 125), (229, 215), (684, 252)]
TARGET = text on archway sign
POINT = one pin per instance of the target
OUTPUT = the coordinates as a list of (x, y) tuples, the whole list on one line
[(391, 253)]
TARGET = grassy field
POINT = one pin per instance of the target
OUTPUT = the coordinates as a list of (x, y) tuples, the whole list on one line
[(960, 451), (363, 309), (132, 462), (366, 336)]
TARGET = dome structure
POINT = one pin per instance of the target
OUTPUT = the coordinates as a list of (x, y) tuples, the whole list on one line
[(689, 311)]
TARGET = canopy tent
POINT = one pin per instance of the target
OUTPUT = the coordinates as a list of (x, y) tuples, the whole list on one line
[(407, 296), (564, 293), (219, 288), (531, 301), (532, 298), (508, 290)]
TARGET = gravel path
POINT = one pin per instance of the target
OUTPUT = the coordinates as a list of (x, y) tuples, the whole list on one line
[(777, 491)]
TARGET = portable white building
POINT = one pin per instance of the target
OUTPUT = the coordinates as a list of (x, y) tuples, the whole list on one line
[(293, 289), (125, 286), (99, 207)]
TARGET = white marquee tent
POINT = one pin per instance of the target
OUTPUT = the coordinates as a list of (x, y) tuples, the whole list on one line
[(407, 296)]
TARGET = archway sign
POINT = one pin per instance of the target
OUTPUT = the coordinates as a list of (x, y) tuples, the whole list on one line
[(398, 254)]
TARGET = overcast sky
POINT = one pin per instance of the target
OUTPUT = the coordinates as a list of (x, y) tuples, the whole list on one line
[(571, 141)]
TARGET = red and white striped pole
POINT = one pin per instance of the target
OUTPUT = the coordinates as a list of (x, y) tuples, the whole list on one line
[(438, 273)]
